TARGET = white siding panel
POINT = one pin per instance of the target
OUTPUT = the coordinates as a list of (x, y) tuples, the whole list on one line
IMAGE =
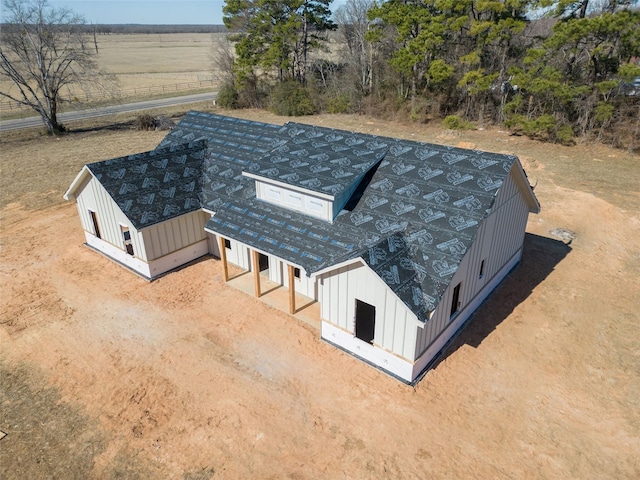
[(389, 324), (395, 325), (152, 240), (343, 296), (304, 285), (276, 270), (214, 245), (499, 238), (238, 255), (399, 334), (109, 217), (305, 202), (175, 234), (184, 230)]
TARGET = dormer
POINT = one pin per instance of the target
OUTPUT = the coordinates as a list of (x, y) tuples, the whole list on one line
[(317, 171)]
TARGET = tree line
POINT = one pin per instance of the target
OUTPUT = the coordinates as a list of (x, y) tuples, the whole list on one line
[(551, 69), (556, 70)]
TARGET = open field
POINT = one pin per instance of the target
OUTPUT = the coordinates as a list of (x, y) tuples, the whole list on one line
[(142, 64), (140, 60), (107, 376)]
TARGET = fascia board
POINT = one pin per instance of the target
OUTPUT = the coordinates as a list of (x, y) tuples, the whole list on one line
[(70, 194)]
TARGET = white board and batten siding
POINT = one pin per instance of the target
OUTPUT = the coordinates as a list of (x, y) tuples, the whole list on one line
[(394, 339), (156, 249), (325, 207), (304, 285), (94, 198), (238, 254), (499, 244), (177, 241), (402, 345)]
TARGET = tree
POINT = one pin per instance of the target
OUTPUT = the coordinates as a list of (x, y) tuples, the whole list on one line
[(420, 34), (575, 75), (276, 34), (494, 33), (354, 25), (44, 50)]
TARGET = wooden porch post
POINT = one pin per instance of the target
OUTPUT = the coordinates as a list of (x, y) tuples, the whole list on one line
[(223, 257), (292, 291), (256, 272)]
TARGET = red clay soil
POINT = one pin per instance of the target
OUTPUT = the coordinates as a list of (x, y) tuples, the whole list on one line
[(105, 375)]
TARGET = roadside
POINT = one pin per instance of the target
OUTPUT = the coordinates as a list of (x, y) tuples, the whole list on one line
[(80, 115)]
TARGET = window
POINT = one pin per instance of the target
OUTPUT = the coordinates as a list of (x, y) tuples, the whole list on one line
[(94, 220), (227, 243), (481, 269), (272, 193), (126, 238), (296, 273), (293, 199), (455, 301)]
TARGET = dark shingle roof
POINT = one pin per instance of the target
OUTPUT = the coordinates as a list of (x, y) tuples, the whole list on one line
[(416, 219), (154, 186), (321, 160), (233, 134), (413, 217)]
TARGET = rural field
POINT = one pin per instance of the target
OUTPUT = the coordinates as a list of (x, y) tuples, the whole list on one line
[(146, 65), (104, 375)]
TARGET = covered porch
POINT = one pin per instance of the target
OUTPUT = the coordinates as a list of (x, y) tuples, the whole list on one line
[(276, 296), (255, 281)]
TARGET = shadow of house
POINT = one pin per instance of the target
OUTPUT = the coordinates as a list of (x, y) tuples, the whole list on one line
[(540, 257)]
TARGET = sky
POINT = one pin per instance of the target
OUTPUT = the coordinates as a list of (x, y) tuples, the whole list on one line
[(173, 12), (161, 12)]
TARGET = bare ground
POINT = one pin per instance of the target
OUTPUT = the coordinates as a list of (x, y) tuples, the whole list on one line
[(107, 376)]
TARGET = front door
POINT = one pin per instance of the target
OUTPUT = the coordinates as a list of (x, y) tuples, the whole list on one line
[(365, 321)]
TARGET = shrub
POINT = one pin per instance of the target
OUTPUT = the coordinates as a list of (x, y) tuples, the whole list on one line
[(545, 128), (564, 135), (454, 122), (145, 122), (338, 104), (227, 96), (290, 99)]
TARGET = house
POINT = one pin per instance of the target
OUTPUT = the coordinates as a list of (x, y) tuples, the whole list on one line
[(398, 241)]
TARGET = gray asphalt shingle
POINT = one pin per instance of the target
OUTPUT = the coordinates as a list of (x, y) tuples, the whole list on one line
[(412, 219)]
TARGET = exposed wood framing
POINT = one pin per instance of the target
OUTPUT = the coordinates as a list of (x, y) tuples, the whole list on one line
[(292, 291), (256, 272), (223, 257)]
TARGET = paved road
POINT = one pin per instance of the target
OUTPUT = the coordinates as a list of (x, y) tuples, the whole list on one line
[(103, 111)]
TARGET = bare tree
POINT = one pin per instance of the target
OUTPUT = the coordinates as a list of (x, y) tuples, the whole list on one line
[(44, 50), (354, 25), (222, 58)]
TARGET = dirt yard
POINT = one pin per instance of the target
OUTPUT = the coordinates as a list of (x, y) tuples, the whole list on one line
[(107, 376)]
